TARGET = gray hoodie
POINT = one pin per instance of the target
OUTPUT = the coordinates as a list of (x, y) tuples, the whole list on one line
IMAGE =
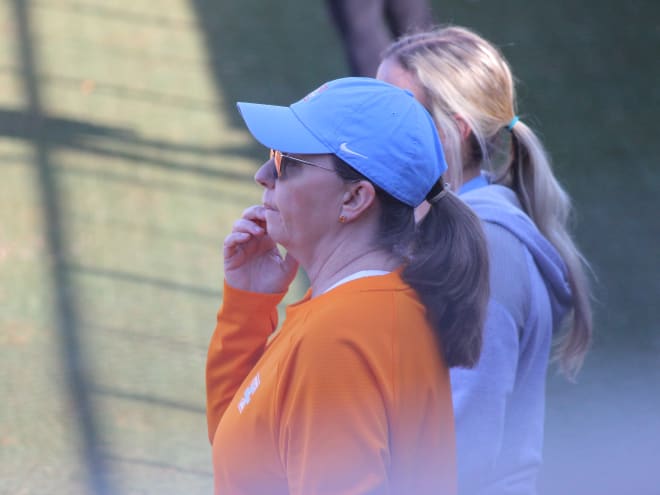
[(499, 405)]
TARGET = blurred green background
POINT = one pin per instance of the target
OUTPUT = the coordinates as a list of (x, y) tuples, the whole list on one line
[(123, 164)]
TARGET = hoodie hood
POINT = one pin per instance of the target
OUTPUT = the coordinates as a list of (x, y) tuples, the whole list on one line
[(499, 205)]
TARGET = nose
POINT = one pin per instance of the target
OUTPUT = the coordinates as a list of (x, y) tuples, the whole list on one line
[(265, 176)]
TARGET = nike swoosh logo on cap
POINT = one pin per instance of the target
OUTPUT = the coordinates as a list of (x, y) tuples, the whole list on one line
[(344, 147)]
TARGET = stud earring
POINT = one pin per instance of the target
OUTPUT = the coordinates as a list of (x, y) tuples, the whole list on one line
[(342, 218)]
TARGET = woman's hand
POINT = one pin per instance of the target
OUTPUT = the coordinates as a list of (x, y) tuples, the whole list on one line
[(252, 260)]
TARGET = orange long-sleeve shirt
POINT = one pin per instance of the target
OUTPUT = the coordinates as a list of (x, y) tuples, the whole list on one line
[(350, 397)]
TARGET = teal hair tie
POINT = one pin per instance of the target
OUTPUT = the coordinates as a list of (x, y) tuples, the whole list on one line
[(513, 122)]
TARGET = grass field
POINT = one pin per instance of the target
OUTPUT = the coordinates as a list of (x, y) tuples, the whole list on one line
[(123, 164)]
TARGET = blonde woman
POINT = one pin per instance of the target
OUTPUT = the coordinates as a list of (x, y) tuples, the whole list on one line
[(539, 291)]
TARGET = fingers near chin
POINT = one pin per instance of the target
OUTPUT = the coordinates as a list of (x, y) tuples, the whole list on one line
[(255, 212), (236, 238), (248, 226), (232, 251)]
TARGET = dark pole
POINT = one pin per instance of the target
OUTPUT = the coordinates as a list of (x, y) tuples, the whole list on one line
[(65, 310)]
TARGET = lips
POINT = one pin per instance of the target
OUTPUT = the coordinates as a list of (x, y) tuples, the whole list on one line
[(269, 207)]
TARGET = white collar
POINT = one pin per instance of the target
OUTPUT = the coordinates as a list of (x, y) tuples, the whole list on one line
[(355, 276)]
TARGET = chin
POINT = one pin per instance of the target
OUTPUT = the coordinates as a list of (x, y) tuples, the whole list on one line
[(280, 238), (275, 229), (274, 232)]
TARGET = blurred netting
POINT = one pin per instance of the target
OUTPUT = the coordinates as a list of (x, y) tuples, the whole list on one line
[(122, 171), (122, 178)]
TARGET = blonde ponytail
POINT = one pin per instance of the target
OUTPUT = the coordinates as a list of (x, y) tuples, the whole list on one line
[(530, 175), (467, 81)]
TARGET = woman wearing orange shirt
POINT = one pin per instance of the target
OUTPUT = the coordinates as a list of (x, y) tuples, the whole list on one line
[(352, 395)]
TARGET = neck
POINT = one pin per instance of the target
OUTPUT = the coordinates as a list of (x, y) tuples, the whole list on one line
[(469, 174), (345, 261)]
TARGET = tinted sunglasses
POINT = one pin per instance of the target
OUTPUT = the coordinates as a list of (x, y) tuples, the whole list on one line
[(280, 158)]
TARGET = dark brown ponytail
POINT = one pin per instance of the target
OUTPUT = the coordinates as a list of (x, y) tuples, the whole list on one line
[(446, 262), (449, 271)]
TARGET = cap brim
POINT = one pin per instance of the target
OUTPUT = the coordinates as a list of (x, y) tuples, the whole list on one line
[(278, 128)]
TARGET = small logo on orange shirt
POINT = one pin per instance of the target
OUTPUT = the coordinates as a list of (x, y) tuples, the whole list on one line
[(249, 391)]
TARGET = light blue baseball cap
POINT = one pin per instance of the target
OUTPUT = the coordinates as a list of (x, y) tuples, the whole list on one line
[(378, 129)]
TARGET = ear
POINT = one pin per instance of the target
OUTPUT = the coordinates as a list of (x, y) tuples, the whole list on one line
[(463, 127), (357, 199)]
